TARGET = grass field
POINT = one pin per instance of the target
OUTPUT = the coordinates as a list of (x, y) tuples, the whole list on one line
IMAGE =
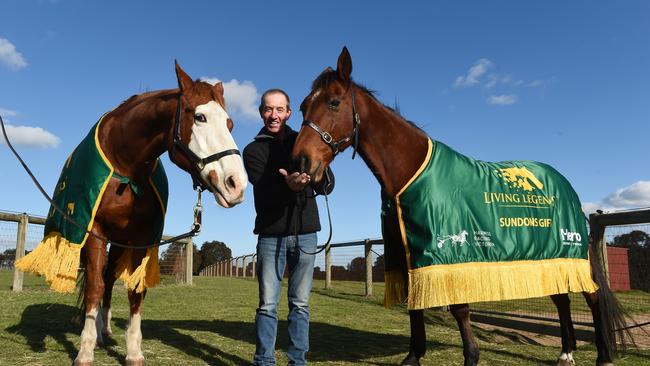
[(211, 323)]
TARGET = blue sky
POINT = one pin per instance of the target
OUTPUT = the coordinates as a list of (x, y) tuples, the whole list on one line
[(565, 83)]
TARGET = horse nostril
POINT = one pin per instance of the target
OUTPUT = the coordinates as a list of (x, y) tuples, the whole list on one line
[(231, 183), (304, 164)]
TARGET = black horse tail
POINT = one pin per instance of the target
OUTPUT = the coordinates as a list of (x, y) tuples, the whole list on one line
[(612, 321)]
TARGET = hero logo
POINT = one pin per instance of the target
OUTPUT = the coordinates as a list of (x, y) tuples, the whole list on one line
[(570, 235)]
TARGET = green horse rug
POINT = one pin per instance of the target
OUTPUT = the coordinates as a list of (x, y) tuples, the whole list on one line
[(478, 231), (79, 191)]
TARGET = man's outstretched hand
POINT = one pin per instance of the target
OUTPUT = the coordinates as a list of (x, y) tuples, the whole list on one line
[(296, 181)]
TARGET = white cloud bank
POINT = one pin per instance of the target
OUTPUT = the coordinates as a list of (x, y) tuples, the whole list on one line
[(241, 97), (30, 136), (26, 135), (9, 56), (633, 196)]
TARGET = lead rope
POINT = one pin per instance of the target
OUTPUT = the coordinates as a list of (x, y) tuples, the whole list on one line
[(196, 226), (325, 246)]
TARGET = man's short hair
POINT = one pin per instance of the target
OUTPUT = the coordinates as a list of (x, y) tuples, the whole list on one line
[(274, 91)]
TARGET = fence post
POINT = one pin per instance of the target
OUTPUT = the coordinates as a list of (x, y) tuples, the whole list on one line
[(328, 268), (597, 230), (243, 264), (368, 256), (230, 267), (254, 259), (189, 260), (20, 252)]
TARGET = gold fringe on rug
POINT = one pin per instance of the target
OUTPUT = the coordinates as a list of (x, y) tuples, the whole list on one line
[(395, 288), (146, 275), (55, 258), (442, 285)]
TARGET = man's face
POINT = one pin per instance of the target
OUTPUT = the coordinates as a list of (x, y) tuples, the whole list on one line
[(275, 112)]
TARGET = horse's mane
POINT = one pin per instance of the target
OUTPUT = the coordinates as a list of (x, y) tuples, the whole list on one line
[(329, 75)]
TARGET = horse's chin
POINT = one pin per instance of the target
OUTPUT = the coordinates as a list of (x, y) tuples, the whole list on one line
[(221, 200), (225, 202)]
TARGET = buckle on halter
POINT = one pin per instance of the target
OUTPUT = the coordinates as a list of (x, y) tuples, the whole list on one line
[(326, 137)]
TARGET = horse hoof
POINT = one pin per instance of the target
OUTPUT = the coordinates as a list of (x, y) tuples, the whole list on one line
[(82, 363), (139, 362), (410, 360), (604, 364), (565, 363)]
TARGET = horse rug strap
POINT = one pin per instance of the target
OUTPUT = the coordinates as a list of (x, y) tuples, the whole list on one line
[(79, 191), (478, 231)]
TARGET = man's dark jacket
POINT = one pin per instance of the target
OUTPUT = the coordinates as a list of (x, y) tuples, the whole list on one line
[(281, 211)]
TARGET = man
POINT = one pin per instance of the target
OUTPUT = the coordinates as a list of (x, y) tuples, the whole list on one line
[(286, 224)]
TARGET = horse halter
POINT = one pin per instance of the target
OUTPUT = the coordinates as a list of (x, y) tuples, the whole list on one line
[(197, 163), (353, 136)]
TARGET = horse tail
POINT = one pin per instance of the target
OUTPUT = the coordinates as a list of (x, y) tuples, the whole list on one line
[(613, 318), (81, 299)]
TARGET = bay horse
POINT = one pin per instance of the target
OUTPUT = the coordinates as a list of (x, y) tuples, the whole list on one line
[(192, 125), (338, 113)]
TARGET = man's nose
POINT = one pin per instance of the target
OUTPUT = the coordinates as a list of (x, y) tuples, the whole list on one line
[(274, 114)]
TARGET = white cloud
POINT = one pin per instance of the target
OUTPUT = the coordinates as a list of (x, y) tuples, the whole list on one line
[(633, 196), (7, 113), (9, 56), (474, 73), (241, 97), (535, 83), (502, 99), (30, 136)]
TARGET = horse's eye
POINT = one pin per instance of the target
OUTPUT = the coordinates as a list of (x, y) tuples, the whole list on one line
[(200, 117), (334, 104)]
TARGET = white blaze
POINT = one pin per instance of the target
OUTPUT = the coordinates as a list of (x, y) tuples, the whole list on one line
[(212, 137)]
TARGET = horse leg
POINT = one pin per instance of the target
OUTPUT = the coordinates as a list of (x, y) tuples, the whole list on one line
[(604, 354), (95, 255), (562, 303), (109, 280), (418, 344), (134, 356), (470, 346)]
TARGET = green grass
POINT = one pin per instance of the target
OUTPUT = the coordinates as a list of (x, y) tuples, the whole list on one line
[(212, 323)]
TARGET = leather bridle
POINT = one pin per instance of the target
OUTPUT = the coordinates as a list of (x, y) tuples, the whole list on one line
[(197, 163), (336, 146)]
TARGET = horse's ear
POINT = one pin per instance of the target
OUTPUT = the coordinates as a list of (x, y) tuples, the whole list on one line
[(344, 65), (218, 87), (184, 80)]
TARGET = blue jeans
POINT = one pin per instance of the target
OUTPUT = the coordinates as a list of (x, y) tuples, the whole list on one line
[(274, 253)]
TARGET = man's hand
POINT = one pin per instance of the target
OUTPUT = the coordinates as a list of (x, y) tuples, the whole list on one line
[(296, 181)]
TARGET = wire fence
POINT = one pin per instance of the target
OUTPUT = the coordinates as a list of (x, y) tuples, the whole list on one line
[(175, 264)]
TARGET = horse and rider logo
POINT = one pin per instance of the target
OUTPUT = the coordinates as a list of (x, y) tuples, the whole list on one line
[(520, 177), (457, 239)]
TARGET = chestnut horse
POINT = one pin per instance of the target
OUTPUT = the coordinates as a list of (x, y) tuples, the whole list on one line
[(339, 113), (190, 123)]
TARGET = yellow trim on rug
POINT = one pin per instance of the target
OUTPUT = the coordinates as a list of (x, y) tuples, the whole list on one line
[(442, 285), (104, 185), (399, 208), (153, 185)]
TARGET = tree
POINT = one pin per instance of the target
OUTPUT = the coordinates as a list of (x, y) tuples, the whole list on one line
[(357, 269), (635, 238), (210, 253), (378, 269)]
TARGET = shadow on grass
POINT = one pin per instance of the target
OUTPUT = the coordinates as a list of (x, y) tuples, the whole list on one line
[(42, 320), (329, 343)]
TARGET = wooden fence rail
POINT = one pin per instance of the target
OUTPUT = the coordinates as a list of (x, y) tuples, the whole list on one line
[(24, 220)]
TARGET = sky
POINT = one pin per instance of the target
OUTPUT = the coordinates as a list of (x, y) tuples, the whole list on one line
[(562, 82)]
